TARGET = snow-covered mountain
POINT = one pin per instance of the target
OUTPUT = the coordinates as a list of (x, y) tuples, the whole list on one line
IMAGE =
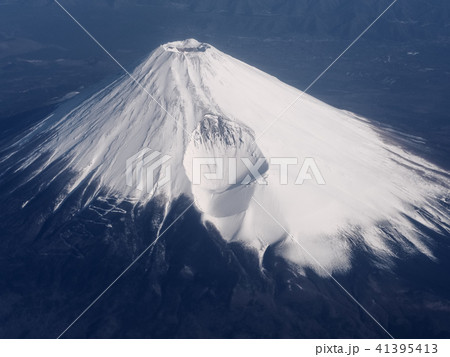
[(189, 100)]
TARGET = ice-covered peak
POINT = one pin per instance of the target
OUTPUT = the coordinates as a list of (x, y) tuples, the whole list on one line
[(375, 194), (186, 46)]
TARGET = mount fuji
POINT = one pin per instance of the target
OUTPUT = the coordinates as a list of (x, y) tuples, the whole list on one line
[(266, 248)]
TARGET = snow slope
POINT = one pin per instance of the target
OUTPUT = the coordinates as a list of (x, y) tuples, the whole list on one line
[(211, 105)]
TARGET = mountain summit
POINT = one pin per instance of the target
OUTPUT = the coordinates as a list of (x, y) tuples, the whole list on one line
[(188, 100)]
